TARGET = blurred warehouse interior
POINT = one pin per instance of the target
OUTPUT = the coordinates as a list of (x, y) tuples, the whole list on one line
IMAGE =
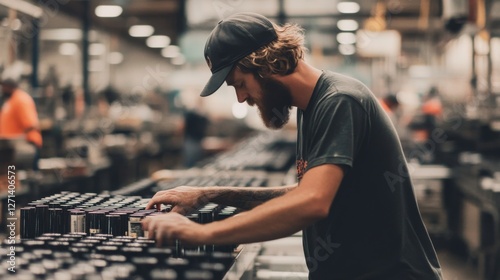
[(112, 81)]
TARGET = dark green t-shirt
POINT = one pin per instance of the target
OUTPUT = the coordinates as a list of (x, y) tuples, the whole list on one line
[(374, 229)]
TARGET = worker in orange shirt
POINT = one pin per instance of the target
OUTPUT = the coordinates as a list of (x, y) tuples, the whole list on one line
[(432, 110), (18, 116), (432, 104)]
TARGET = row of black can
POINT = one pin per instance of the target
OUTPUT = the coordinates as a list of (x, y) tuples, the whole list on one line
[(102, 256), (70, 212)]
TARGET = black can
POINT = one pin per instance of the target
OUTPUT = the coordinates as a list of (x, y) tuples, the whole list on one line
[(28, 218)]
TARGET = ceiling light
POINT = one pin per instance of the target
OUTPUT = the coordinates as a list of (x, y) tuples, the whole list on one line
[(141, 30), (115, 58), (346, 38), (171, 51), (23, 7), (347, 25), (68, 48), (158, 41), (97, 49), (108, 11), (64, 34), (347, 49), (348, 7)]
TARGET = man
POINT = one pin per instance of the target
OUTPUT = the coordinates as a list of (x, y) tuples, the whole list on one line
[(432, 110), (18, 116), (354, 200), (390, 103)]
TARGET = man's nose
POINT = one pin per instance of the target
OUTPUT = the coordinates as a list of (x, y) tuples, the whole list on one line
[(241, 95)]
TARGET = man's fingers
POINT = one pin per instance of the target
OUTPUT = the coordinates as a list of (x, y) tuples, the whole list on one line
[(151, 203), (150, 225), (158, 236), (178, 209), (145, 223), (155, 199)]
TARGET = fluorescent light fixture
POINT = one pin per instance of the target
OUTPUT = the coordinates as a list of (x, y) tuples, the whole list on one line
[(347, 49), (378, 44), (97, 49), (158, 41), (61, 34), (347, 25), (348, 7), (178, 60), (141, 30), (239, 110), (23, 7), (68, 48), (115, 58), (108, 11), (171, 51), (346, 38)]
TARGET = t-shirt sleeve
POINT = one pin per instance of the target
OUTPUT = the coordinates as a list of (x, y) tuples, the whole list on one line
[(339, 129)]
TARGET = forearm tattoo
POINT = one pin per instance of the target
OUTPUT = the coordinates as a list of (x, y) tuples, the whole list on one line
[(247, 198)]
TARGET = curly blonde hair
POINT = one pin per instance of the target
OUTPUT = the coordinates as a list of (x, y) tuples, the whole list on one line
[(281, 56)]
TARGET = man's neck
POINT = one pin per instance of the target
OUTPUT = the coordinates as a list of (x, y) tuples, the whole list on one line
[(301, 83)]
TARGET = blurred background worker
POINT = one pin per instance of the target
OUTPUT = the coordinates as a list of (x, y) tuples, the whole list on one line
[(18, 116), (432, 109), (390, 104), (426, 119)]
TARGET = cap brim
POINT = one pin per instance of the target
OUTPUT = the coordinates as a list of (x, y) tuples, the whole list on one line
[(216, 81)]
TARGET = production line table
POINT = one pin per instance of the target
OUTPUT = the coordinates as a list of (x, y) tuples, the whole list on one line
[(480, 207), (85, 236)]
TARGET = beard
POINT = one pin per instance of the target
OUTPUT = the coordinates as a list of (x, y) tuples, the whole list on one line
[(275, 103)]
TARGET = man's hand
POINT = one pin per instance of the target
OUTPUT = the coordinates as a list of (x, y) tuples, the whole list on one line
[(183, 199), (167, 228)]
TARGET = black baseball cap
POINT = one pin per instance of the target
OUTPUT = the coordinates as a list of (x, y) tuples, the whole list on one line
[(231, 40)]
